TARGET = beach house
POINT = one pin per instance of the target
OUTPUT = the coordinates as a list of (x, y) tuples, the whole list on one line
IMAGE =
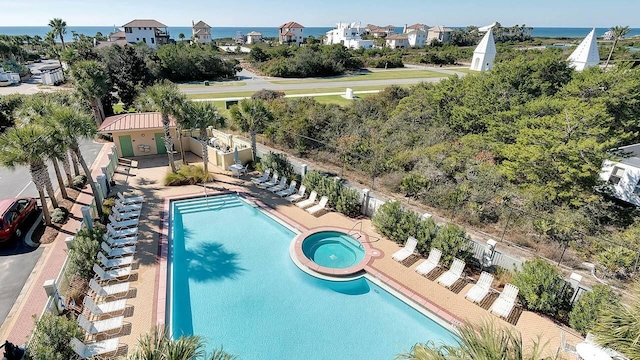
[(349, 35), (291, 33), (254, 37), (622, 177), (380, 31), (201, 32), (439, 33), (150, 32), (397, 41), (415, 27)]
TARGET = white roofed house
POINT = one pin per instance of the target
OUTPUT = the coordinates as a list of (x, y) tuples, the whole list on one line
[(586, 54), (291, 33), (397, 41), (622, 177), (254, 37), (201, 32), (349, 35), (150, 32), (417, 38), (440, 33), (484, 54)]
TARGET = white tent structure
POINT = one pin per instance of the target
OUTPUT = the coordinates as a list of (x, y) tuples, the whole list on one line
[(586, 54), (484, 54)]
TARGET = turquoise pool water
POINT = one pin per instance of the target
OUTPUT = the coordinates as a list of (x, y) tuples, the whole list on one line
[(232, 282), (333, 249)]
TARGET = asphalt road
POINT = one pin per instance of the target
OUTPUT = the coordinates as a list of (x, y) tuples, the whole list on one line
[(256, 83), (17, 259)]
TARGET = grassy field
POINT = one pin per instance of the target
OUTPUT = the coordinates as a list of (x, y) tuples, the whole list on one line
[(377, 75), (240, 94), (214, 84)]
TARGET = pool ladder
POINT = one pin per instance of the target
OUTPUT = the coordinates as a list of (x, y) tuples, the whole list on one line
[(357, 234)]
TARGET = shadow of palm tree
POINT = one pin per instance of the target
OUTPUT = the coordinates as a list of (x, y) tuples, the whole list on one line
[(211, 262)]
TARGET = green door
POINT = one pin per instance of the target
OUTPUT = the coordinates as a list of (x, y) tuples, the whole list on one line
[(160, 143), (125, 145)]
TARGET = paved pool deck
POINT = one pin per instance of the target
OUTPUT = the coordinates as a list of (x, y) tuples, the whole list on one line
[(143, 176)]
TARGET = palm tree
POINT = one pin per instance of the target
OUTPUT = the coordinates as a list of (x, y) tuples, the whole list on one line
[(59, 27), (92, 84), (618, 32), (486, 341), (618, 326), (70, 125), (25, 146), (165, 98), (203, 115), (253, 116), (181, 37)]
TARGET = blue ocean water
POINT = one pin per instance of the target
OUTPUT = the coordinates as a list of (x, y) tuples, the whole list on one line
[(230, 32), (234, 284)]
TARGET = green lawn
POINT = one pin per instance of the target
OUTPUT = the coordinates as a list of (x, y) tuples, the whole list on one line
[(334, 99), (377, 75), (463, 70), (214, 84), (240, 94)]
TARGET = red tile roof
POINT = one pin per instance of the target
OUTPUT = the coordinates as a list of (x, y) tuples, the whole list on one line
[(144, 23), (134, 121), (291, 25)]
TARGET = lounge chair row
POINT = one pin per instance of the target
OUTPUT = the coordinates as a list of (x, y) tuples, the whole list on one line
[(501, 307), (113, 263), (278, 186)]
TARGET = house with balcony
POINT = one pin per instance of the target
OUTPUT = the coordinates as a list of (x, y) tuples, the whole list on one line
[(397, 41), (415, 27), (291, 33), (440, 33), (150, 32), (622, 177), (254, 37), (349, 35), (201, 32), (380, 31)]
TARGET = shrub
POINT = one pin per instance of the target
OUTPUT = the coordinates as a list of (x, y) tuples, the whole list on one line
[(408, 225), (386, 219), (107, 207), (83, 252), (277, 163), (79, 181), (59, 215), (51, 338), (542, 288), (425, 233), (188, 175), (617, 261), (267, 95), (588, 307), (348, 202), (452, 240)]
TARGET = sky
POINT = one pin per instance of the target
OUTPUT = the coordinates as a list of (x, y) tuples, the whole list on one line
[(325, 13)]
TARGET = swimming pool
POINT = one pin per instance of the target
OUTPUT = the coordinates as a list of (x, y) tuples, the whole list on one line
[(233, 283)]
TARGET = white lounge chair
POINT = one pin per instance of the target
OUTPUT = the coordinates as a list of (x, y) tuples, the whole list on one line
[(100, 326), (124, 224), (117, 234), (298, 196), (126, 208), (288, 191), (407, 250), (310, 201), (481, 288), (453, 274), (505, 302), (130, 199), (126, 215), (430, 263), (269, 183), (263, 178), (319, 207), (117, 252), (281, 186), (130, 240), (105, 308), (101, 291), (114, 263), (113, 274), (94, 349)]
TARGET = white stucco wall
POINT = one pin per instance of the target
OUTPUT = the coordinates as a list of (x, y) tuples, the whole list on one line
[(624, 190), (137, 36)]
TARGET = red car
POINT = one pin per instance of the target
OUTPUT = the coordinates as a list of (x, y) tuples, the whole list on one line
[(13, 212)]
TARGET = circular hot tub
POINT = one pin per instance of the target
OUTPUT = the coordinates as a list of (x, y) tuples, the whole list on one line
[(333, 249)]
